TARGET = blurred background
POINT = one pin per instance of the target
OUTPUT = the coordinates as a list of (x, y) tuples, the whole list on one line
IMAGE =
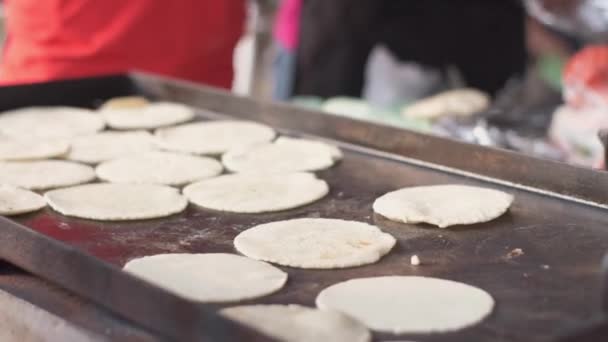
[(534, 72), (356, 60)]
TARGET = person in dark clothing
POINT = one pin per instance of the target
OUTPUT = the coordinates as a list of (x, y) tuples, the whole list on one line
[(483, 39)]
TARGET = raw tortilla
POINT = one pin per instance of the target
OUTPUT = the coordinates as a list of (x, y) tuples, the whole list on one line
[(49, 122), (158, 168), (213, 137), (296, 323), (158, 114), (114, 202), (109, 145), (44, 174), (315, 243), (443, 205), (212, 277), (459, 102), (14, 201), (408, 304), (247, 193), (16, 150), (125, 102), (283, 155)]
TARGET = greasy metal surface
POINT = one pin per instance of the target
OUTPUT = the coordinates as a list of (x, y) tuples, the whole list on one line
[(551, 288)]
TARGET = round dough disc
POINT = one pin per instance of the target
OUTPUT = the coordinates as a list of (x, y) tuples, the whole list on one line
[(19, 150), (213, 137), (443, 205), (315, 243), (44, 174), (248, 193), (104, 146), (408, 304), (114, 202), (458, 102), (49, 122), (212, 277), (154, 115), (125, 102), (283, 155), (158, 168), (14, 201), (296, 323)]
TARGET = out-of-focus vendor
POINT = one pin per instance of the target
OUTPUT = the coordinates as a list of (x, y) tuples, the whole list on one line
[(60, 39)]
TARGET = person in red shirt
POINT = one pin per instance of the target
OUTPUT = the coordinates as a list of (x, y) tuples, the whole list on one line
[(61, 39)]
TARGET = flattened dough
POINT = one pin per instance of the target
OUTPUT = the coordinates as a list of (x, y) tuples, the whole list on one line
[(443, 205), (18, 150), (296, 323), (211, 277), (44, 174), (315, 243), (104, 146), (248, 193), (213, 137), (458, 102), (408, 304), (154, 115), (115, 202), (125, 102), (15, 201), (49, 122), (283, 155), (158, 168)]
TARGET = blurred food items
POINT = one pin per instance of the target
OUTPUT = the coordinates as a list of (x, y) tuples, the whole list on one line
[(457, 102)]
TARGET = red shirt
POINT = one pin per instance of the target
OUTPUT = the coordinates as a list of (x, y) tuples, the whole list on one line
[(58, 39)]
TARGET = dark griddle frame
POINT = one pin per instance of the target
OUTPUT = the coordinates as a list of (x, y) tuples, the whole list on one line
[(178, 319)]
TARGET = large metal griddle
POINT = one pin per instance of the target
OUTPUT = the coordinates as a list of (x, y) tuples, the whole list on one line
[(559, 220)]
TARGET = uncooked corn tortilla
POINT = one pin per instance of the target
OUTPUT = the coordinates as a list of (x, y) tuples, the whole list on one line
[(296, 323), (443, 205), (115, 202), (283, 155), (125, 102), (18, 150), (49, 123), (154, 115), (108, 145), (257, 193), (213, 137), (315, 243), (158, 168), (44, 174), (408, 304), (210, 277), (15, 201)]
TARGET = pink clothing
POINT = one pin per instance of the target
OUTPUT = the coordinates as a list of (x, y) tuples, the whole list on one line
[(287, 24)]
